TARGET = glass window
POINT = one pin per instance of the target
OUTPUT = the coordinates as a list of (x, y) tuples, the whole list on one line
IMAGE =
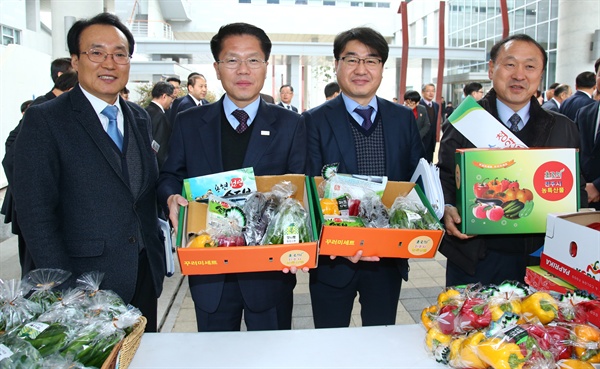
[(245, 1), (10, 36), (370, 5), (383, 5), (329, 3), (272, 1), (301, 2), (356, 3)]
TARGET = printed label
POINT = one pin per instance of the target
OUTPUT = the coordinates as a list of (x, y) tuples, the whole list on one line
[(420, 245), (32, 330), (294, 258)]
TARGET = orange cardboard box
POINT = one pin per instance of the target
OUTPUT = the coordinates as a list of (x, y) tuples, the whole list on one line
[(237, 259), (383, 242)]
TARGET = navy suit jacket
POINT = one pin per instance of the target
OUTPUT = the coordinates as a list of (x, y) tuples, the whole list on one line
[(330, 140), (575, 102), (277, 146), (551, 105), (77, 211), (182, 103), (589, 152), (293, 107)]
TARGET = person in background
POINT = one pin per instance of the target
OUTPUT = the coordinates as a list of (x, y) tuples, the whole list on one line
[(516, 67), (366, 135), (85, 173), (332, 89), (163, 95), (538, 96), (473, 89), (59, 66), (449, 110), (240, 130), (65, 82), (411, 100), (176, 83), (124, 93), (561, 93), (433, 109), (187, 98), (197, 90), (286, 94), (585, 84), (589, 157), (549, 93)]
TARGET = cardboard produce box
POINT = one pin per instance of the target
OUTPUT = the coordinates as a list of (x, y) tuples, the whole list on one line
[(383, 242), (236, 259), (572, 250), (511, 191), (542, 280)]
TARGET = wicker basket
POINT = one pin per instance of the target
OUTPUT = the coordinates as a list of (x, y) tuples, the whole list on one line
[(122, 354)]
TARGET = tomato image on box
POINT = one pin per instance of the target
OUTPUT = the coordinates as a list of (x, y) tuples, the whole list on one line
[(511, 191)]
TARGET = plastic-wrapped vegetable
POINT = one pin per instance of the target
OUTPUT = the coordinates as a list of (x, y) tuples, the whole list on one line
[(15, 309), (46, 338), (408, 214), (253, 209), (43, 283), (290, 225), (373, 213), (18, 354)]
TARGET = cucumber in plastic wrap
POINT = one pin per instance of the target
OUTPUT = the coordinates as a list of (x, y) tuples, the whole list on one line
[(290, 225)]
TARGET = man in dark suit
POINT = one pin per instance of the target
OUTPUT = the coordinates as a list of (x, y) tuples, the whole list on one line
[(240, 130), (162, 97), (492, 259), (187, 99), (589, 152), (585, 83), (286, 94), (65, 82), (366, 135), (561, 93), (85, 174), (433, 109)]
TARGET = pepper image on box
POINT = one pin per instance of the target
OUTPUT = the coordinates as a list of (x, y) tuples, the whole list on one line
[(366, 135), (238, 131), (516, 67)]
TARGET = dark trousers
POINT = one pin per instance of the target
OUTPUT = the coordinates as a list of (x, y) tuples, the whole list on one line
[(228, 316), (25, 259), (495, 268), (144, 297), (379, 292)]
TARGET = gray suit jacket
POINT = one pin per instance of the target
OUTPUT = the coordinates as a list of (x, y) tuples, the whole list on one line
[(77, 210), (551, 105)]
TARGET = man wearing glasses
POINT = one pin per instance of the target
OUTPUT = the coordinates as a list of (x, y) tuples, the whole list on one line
[(240, 130), (163, 95), (366, 135), (85, 174)]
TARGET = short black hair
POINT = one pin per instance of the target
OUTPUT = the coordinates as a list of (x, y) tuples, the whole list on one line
[(239, 29), (365, 35), (284, 86), (472, 87), (597, 65), (60, 65), (174, 79), (66, 81), (125, 90), (25, 105), (560, 89), (161, 88), (331, 88), (518, 37), (553, 86), (74, 35), (193, 77), (585, 80), (412, 95)]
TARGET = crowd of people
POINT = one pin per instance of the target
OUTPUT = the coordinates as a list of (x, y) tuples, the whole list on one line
[(91, 172)]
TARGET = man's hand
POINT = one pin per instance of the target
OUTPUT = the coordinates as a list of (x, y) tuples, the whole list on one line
[(294, 270), (358, 257), (174, 202), (592, 192), (451, 219)]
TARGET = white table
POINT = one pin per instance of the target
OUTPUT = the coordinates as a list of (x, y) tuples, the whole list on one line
[(399, 346)]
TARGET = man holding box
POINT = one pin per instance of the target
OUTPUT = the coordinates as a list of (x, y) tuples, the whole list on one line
[(366, 135), (516, 68), (238, 131)]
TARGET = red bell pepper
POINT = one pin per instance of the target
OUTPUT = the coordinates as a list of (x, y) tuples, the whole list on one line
[(474, 314), (447, 319)]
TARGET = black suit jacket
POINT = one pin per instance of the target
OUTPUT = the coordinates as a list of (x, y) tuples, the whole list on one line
[(293, 107), (429, 138), (8, 163), (183, 103), (161, 131), (77, 211), (330, 141), (277, 146), (571, 105), (589, 152)]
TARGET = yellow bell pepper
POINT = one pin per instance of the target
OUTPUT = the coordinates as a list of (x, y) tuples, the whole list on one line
[(573, 364), (501, 355), (428, 315), (541, 305), (455, 349), (329, 207), (467, 356), (435, 337), (588, 337), (447, 296), (499, 308), (201, 241)]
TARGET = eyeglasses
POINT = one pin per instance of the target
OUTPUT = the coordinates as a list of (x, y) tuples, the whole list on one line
[(353, 61), (99, 56), (235, 63)]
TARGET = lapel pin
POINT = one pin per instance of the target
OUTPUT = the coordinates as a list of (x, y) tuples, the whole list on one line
[(265, 133)]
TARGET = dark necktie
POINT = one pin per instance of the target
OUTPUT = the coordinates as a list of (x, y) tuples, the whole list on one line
[(366, 115), (242, 117), (113, 130), (514, 122)]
